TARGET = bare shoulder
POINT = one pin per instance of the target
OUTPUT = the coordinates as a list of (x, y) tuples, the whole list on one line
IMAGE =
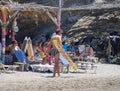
[(55, 38)]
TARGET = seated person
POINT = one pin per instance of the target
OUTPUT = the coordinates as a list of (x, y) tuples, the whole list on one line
[(14, 46), (36, 51), (87, 52), (65, 46), (71, 50), (44, 53)]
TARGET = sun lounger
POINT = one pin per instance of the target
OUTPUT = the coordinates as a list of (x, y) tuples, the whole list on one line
[(21, 57), (86, 63), (11, 67), (23, 61), (6, 68), (64, 64), (2, 68), (28, 48), (21, 65), (63, 60), (41, 67)]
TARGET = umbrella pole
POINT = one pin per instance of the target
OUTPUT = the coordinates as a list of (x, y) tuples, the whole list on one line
[(59, 15), (4, 14)]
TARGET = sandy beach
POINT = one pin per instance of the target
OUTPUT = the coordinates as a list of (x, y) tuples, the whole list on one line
[(106, 78)]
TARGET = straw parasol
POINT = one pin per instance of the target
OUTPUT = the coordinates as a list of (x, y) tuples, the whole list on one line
[(8, 11), (31, 10)]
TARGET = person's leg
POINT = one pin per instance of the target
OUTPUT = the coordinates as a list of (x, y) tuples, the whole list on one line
[(49, 60), (56, 67), (54, 72), (57, 64), (43, 61)]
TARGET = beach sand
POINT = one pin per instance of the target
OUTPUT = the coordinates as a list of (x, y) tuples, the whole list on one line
[(106, 78)]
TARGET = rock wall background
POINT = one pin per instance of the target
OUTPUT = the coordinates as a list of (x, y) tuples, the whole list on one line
[(76, 24)]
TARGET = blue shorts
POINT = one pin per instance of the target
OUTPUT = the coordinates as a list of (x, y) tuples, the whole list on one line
[(54, 51)]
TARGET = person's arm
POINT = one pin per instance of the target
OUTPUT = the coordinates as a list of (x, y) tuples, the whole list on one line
[(91, 52), (17, 48), (49, 47), (81, 54), (59, 40)]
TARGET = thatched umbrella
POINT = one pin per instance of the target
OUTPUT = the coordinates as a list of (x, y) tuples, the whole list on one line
[(32, 10)]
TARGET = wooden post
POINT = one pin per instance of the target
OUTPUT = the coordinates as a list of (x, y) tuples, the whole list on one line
[(13, 36), (4, 25), (4, 14), (13, 28), (59, 15), (52, 18), (13, 16), (58, 22)]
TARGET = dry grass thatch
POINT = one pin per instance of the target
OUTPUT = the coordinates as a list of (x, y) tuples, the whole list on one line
[(29, 10)]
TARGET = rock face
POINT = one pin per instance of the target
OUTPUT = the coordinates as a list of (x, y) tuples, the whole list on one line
[(83, 17), (97, 22), (68, 3), (75, 23)]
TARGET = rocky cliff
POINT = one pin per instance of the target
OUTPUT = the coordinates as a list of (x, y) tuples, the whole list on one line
[(98, 22), (95, 16)]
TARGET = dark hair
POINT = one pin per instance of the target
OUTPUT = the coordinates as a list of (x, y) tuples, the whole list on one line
[(87, 45), (42, 44), (14, 42), (57, 32)]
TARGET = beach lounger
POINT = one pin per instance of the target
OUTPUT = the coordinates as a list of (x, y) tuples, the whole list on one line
[(41, 67), (28, 48), (2, 69), (6, 68), (23, 61), (64, 64), (86, 64), (21, 57)]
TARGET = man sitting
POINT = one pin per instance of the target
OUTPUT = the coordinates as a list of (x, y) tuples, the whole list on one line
[(87, 52)]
